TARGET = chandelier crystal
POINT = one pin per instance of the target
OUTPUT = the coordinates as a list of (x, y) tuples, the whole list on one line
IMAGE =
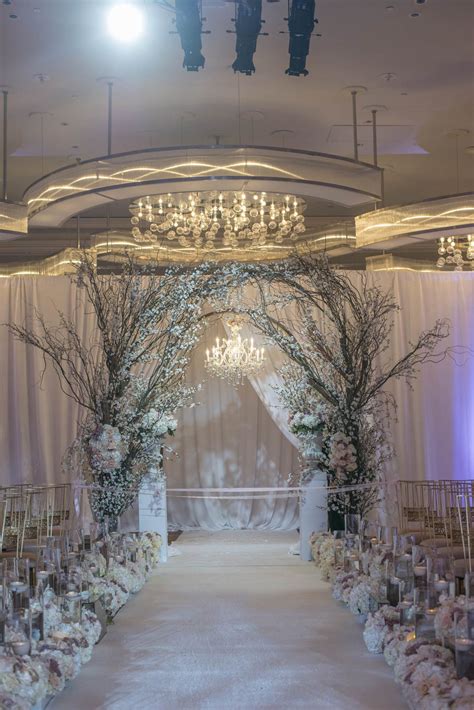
[(457, 253), (208, 220), (234, 358)]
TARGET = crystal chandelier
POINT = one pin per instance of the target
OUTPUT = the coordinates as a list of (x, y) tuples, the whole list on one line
[(458, 253), (234, 358), (208, 220)]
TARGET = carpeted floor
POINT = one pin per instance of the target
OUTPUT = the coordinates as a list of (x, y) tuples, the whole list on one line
[(233, 623)]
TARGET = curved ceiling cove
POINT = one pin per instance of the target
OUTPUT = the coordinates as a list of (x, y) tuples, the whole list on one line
[(421, 221), (67, 192)]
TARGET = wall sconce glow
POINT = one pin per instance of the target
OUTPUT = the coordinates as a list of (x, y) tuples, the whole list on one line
[(125, 22)]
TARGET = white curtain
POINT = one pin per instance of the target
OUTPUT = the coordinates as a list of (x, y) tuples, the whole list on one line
[(228, 441), (231, 438)]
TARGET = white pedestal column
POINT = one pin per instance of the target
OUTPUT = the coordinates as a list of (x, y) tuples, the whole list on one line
[(153, 512), (313, 512), (149, 513)]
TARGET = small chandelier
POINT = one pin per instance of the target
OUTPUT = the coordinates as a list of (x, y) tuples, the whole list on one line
[(234, 358), (208, 220), (458, 253)]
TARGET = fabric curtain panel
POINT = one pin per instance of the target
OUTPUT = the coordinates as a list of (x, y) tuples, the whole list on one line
[(238, 437)]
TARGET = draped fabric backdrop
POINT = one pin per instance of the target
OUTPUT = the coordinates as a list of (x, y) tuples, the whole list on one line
[(240, 437)]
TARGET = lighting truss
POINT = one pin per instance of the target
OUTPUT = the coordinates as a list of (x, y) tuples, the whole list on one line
[(248, 26), (301, 21)]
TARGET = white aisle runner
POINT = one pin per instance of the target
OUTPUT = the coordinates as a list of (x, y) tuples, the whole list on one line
[(233, 623)]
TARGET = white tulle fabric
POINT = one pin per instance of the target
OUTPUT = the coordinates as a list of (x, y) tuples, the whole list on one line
[(240, 437)]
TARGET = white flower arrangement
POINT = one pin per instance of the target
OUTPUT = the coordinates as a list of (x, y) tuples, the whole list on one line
[(378, 626), (374, 633), (52, 616), (323, 548), (66, 660), (360, 596), (417, 651), (396, 642), (316, 540), (27, 680), (106, 448), (24, 677), (342, 456), (91, 626), (377, 565), (424, 669), (342, 586), (444, 621), (13, 702), (126, 577)]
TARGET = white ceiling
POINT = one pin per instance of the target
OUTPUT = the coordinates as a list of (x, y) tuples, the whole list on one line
[(156, 102)]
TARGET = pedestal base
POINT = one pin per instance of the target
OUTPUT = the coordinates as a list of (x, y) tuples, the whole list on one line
[(313, 512), (149, 513)]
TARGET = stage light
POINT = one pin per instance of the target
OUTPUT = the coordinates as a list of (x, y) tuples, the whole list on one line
[(125, 22), (248, 25), (301, 23), (189, 27)]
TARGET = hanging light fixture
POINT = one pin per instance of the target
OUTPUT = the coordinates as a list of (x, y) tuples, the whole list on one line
[(234, 358), (206, 220), (457, 253)]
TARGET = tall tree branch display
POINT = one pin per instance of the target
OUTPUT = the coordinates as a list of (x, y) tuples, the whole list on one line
[(336, 330), (127, 375)]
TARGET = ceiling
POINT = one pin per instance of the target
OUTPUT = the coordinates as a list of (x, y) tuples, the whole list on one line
[(420, 68)]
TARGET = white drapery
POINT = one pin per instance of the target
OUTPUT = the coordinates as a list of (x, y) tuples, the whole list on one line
[(231, 439)]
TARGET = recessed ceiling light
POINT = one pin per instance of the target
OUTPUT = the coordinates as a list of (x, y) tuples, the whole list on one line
[(125, 22), (414, 14), (64, 123), (13, 17)]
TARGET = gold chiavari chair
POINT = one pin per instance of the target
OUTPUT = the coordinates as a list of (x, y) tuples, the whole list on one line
[(34, 513), (428, 510), (465, 518)]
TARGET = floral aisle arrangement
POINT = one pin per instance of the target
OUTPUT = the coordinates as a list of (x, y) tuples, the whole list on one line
[(336, 331), (125, 368), (423, 665), (57, 654)]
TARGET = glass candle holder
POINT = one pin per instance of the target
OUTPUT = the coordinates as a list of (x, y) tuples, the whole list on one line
[(464, 645), (404, 569), (19, 590), (17, 633), (393, 590), (3, 617), (407, 613), (71, 607), (386, 535), (424, 623), (37, 619)]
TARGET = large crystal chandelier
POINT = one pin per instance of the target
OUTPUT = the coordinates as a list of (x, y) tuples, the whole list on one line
[(206, 220), (234, 358), (457, 253)]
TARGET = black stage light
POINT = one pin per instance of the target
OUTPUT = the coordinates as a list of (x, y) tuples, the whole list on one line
[(301, 21), (189, 27), (248, 25)]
